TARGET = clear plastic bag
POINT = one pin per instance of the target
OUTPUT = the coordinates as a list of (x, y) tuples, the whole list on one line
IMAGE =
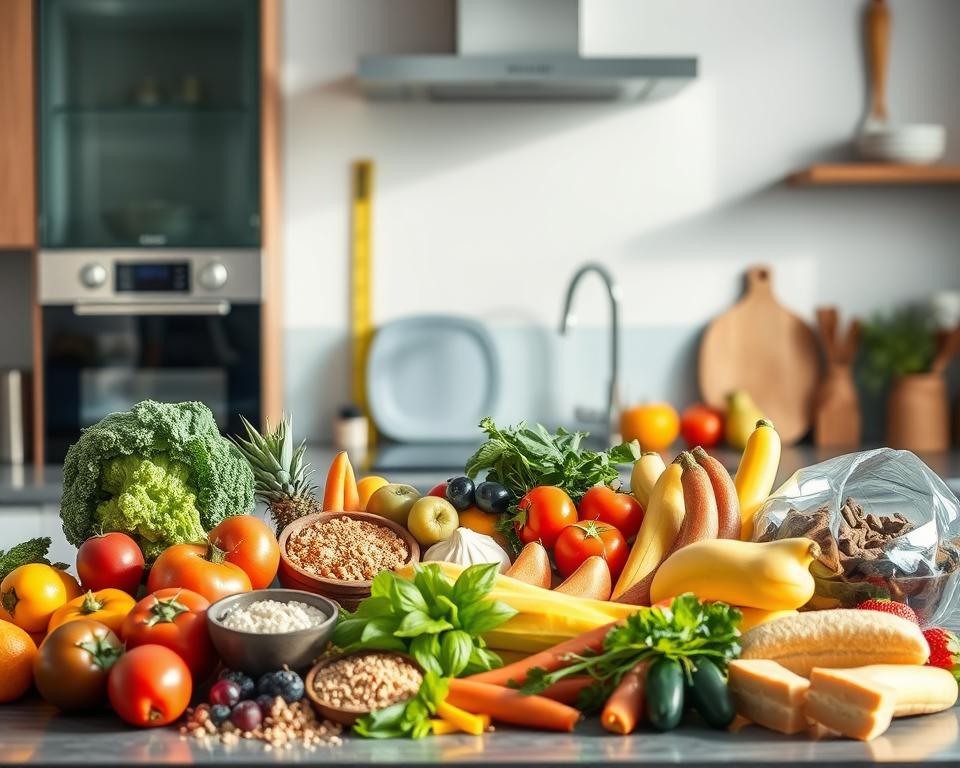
[(887, 527)]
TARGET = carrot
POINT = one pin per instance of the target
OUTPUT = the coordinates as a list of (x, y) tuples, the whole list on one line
[(550, 659), (351, 496), (334, 487), (462, 720), (624, 708), (510, 706), (568, 689)]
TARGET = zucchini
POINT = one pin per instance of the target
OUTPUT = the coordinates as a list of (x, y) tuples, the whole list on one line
[(710, 695), (664, 695)]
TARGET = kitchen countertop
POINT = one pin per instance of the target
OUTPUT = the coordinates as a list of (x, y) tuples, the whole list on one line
[(35, 734), (421, 466)]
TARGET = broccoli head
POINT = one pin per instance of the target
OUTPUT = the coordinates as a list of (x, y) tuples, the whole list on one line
[(160, 472)]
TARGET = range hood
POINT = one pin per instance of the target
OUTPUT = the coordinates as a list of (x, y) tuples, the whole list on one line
[(522, 50)]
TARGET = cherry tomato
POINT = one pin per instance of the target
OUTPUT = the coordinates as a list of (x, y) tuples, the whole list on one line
[(199, 568), (110, 561), (149, 686), (73, 662), (249, 543), (544, 512), (701, 425), (176, 619), (579, 541), (620, 510), (440, 489)]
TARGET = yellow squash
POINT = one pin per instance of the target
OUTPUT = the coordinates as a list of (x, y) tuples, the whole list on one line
[(754, 617), (773, 577), (657, 531), (757, 473), (646, 471)]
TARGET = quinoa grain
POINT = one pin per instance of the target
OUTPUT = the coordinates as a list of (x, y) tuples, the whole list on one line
[(346, 549)]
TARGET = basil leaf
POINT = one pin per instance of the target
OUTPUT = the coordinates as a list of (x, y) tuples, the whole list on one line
[(425, 649), (445, 607), (431, 582), (372, 607), (405, 597), (474, 583), (480, 617), (419, 623), (381, 627), (482, 660), (348, 632), (380, 586), (456, 647)]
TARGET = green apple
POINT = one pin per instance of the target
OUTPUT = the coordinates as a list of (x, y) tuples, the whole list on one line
[(432, 519), (393, 501)]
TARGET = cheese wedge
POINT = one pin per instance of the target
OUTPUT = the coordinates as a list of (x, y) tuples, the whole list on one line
[(849, 705), (768, 694), (917, 690)]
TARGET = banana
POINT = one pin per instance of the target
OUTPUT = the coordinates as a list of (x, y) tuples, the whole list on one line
[(756, 473), (658, 531), (725, 492), (646, 471), (836, 639), (919, 690), (774, 576), (754, 617), (700, 520)]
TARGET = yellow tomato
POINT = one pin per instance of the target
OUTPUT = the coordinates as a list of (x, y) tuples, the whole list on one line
[(108, 606), (366, 487), (31, 593), (654, 425)]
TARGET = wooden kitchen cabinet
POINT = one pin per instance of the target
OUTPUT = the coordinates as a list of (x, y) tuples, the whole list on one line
[(17, 156)]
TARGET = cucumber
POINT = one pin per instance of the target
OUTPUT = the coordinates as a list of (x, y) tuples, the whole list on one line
[(664, 695), (710, 696)]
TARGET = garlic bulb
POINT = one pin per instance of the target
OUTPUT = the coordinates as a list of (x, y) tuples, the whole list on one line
[(466, 547)]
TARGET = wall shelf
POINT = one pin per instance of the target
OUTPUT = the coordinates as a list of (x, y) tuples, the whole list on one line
[(875, 174)]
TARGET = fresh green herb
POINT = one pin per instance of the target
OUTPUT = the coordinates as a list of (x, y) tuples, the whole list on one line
[(409, 718), (897, 344), (438, 623), (30, 551), (688, 629), (521, 458)]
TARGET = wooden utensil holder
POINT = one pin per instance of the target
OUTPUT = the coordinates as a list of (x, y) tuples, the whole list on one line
[(918, 413)]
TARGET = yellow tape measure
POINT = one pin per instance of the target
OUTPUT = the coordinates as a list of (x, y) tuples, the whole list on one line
[(361, 283)]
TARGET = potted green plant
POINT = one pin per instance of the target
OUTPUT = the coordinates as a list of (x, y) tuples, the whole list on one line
[(899, 349)]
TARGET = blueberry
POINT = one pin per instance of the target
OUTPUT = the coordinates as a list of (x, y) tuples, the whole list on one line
[(460, 493), (247, 687), (493, 498), (284, 683), (265, 702), (219, 713)]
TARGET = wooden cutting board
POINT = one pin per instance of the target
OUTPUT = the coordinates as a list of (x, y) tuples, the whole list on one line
[(761, 347)]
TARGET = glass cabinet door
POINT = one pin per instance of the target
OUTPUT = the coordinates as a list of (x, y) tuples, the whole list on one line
[(149, 115)]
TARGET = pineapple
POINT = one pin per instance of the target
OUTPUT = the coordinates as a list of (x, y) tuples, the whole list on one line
[(281, 478)]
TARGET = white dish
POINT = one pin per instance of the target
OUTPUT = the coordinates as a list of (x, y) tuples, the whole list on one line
[(918, 143), (432, 378)]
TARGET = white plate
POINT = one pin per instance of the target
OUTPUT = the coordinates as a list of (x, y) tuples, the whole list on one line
[(432, 378)]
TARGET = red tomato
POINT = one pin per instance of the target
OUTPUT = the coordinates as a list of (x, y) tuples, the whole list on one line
[(440, 490), (249, 543), (620, 510), (701, 425), (176, 619), (544, 512), (149, 686), (110, 561), (579, 541), (199, 568)]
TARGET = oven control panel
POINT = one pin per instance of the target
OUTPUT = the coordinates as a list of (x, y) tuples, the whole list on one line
[(151, 277)]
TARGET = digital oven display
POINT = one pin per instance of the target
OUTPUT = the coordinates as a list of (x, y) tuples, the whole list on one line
[(171, 277)]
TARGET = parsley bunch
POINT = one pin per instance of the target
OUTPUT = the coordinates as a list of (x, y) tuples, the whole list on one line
[(406, 718), (687, 630)]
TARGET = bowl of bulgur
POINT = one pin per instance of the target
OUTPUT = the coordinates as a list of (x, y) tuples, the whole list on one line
[(338, 554), (347, 686)]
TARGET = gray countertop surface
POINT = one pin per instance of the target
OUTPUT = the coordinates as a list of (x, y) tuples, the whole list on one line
[(419, 465), (35, 734)]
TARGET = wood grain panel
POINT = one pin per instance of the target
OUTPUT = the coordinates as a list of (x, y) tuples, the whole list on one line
[(17, 187), (876, 173)]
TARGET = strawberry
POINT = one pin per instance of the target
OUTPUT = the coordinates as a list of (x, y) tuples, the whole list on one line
[(902, 610), (944, 649)]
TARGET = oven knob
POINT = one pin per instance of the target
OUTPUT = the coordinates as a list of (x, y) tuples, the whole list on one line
[(93, 275), (213, 276)]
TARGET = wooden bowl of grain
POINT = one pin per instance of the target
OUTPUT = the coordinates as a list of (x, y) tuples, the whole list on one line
[(337, 554)]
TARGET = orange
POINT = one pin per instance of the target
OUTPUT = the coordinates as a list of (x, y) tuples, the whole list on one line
[(31, 593), (477, 520), (367, 486), (654, 425), (17, 652)]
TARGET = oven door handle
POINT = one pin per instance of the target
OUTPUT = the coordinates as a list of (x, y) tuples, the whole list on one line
[(215, 308)]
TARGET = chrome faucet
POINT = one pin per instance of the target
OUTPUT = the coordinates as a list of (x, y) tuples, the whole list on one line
[(569, 319)]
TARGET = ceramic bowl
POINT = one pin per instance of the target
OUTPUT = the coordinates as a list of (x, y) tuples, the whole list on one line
[(344, 715), (347, 593), (256, 653), (917, 144)]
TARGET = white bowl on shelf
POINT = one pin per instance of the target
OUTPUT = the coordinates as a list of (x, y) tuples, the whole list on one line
[(914, 144)]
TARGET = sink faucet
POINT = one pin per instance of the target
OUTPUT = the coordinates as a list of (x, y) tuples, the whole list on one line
[(568, 319)]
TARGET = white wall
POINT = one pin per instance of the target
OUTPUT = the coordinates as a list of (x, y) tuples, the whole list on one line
[(486, 209)]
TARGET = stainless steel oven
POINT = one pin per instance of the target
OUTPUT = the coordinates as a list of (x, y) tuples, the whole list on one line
[(124, 325)]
